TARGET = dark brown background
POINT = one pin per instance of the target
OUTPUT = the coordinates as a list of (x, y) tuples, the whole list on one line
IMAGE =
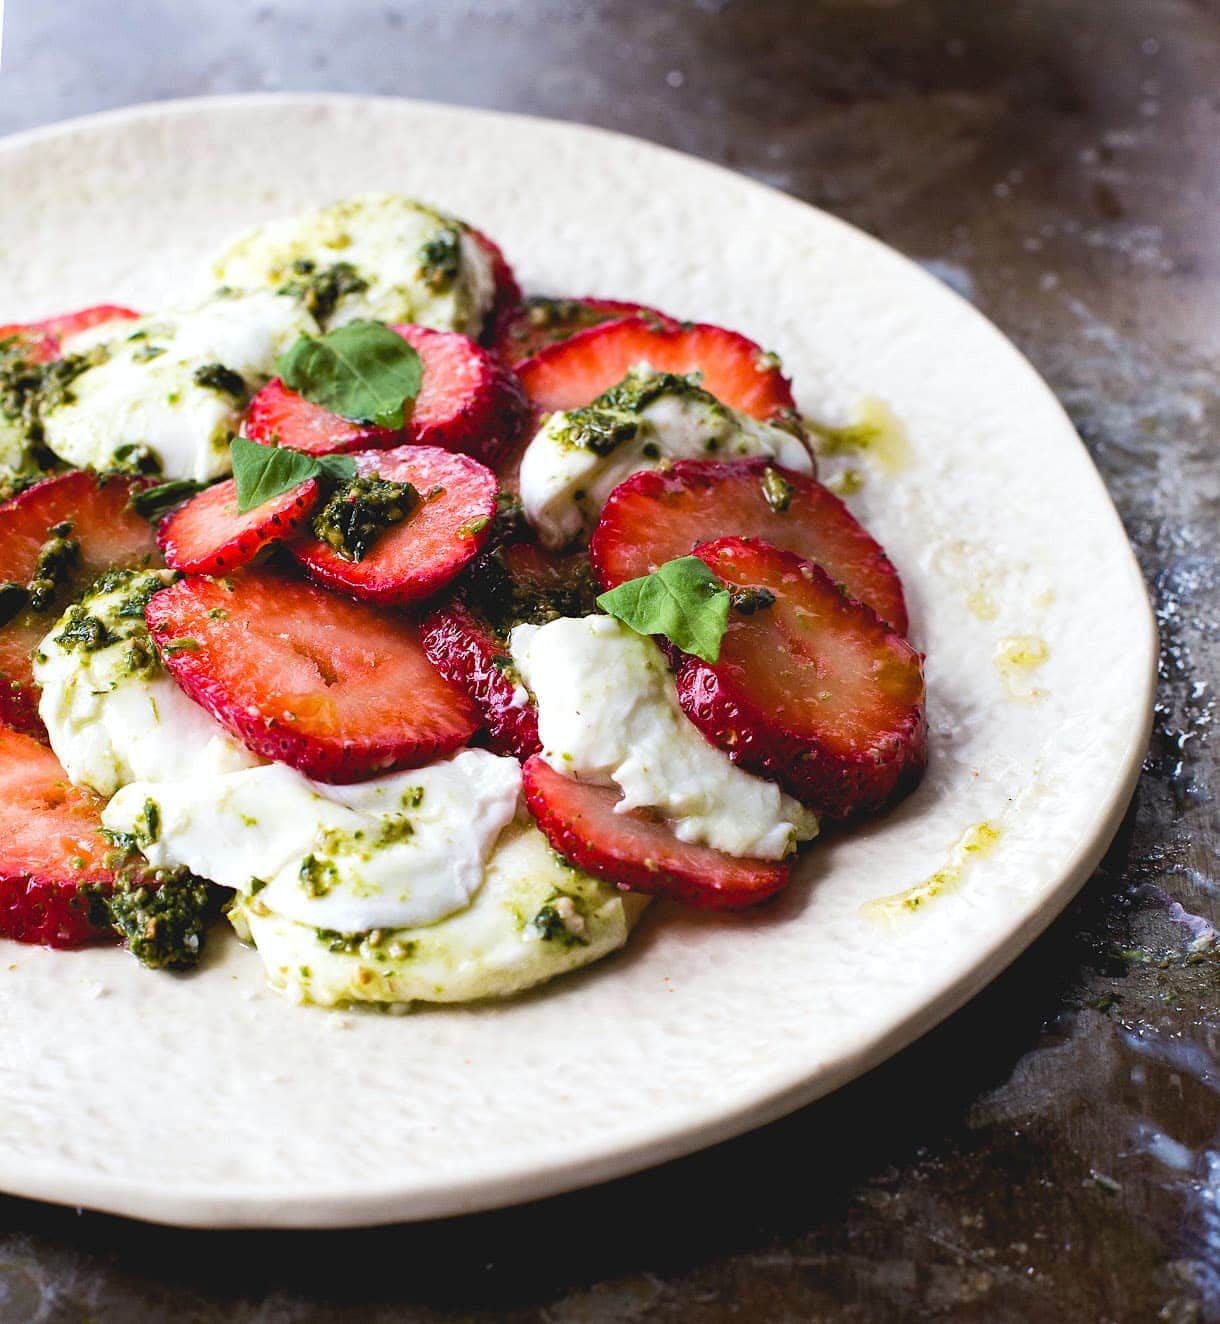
[(1053, 1152)]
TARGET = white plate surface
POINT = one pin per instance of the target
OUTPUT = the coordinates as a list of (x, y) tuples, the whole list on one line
[(209, 1101)]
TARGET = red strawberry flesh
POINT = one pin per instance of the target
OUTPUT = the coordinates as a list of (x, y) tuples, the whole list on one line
[(815, 690), (414, 559), (207, 536), (468, 401), (337, 689), (735, 370), (655, 516), (641, 854), (50, 848), (45, 339), (540, 322), (110, 535)]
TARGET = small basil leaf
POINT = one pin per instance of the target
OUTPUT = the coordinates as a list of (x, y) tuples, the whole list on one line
[(263, 472), (362, 371), (681, 599), (338, 468)]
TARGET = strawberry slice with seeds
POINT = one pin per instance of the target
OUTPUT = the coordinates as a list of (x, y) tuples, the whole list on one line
[(656, 516), (735, 370), (44, 339), (540, 322), (812, 688), (466, 638), (465, 649), (339, 690), (51, 849), (207, 536), (468, 401), (641, 854), (97, 531), (415, 558)]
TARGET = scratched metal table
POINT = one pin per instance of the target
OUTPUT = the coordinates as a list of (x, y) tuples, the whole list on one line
[(1053, 1151)]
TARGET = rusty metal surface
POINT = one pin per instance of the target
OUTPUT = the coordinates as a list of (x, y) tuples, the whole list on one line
[(1053, 1152)]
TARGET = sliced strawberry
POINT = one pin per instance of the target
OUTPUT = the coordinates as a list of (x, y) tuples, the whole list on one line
[(735, 370), (540, 322), (416, 558), (207, 536), (277, 416), (465, 649), (45, 339), (466, 638), (51, 848), (640, 854), (339, 690), (507, 298), (108, 534), (813, 690), (656, 516), (468, 401)]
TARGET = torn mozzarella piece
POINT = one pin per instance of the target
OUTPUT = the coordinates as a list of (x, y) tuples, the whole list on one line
[(175, 385), (405, 849), (608, 713)]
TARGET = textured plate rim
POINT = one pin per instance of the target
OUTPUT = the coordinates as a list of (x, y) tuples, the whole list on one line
[(784, 1092)]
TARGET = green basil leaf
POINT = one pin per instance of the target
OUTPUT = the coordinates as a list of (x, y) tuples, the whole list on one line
[(338, 468), (263, 472), (681, 599), (362, 371)]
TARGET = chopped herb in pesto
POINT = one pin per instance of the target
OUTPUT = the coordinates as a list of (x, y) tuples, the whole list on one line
[(359, 511), (505, 599), (318, 876), (29, 390), (777, 490), (56, 556), (13, 598), (132, 458), (13, 483), (183, 645), (145, 830), (216, 377), (164, 927), (641, 387), (440, 259), (474, 527), (321, 288), (395, 829), (749, 600), (85, 632), (560, 921), (154, 502), (597, 429)]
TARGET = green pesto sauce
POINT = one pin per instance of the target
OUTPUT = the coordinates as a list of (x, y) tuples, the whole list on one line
[(614, 417), (505, 600), (164, 928), (440, 259), (318, 876), (321, 288), (30, 390), (224, 381), (56, 558), (777, 490), (359, 511), (561, 920)]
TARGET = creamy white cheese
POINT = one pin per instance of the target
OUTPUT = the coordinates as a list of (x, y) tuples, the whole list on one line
[(145, 393), (608, 713), (533, 918), (405, 849), (113, 714), (416, 264), (565, 481)]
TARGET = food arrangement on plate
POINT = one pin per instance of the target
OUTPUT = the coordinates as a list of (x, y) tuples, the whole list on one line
[(425, 631)]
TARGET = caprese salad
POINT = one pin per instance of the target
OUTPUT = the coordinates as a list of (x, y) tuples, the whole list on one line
[(423, 630)]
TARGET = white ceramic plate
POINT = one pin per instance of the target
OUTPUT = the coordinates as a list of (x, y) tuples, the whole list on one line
[(206, 1100)]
